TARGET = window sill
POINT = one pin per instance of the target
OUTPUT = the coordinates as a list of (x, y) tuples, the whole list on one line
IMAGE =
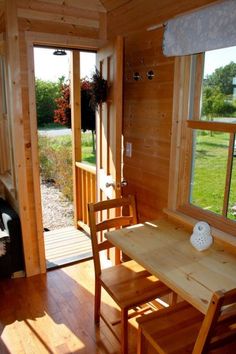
[(225, 239)]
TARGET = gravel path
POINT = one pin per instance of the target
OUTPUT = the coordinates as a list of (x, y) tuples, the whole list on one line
[(52, 133), (57, 211)]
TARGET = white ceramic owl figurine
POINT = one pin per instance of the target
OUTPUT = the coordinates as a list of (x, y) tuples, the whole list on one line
[(201, 237)]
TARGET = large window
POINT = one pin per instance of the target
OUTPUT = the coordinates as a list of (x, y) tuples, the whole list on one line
[(207, 168)]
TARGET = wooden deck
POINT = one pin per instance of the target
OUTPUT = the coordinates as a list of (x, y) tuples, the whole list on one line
[(66, 246)]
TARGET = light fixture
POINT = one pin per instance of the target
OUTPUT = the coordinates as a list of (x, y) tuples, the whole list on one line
[(59, 52)]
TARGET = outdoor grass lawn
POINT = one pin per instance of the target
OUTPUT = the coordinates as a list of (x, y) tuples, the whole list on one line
[(64, 143), (210, 173), (87, 148)]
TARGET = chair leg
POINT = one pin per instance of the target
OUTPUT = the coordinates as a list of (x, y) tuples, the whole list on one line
[(97, 302), (124, 331), (140, 342)]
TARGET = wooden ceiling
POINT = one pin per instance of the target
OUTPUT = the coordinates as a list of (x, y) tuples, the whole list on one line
[(94, 5), (102, 5), (99, 5), (159, 5), (124, 16), (121, 5), (111, 5)]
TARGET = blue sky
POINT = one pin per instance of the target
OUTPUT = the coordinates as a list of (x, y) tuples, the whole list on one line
[(50, 67), (220, 57)]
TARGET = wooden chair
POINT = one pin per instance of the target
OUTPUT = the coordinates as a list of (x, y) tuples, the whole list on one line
[(183, 329), (128, 283)]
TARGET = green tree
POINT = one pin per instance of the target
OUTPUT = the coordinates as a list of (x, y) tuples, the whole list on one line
[(62, 114), (215, 103), (222, 78), (46, 93)]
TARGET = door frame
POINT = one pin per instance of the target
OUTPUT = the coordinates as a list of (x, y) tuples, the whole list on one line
[(46, 40)]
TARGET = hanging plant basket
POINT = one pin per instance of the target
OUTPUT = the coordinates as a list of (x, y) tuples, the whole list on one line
[(99, 88)]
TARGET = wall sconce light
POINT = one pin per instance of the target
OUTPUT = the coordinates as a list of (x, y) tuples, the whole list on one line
[(59, 52), (150, 75), (136, 76)]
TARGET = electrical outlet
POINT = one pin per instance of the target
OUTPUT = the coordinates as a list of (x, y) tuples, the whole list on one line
[(128, 150)]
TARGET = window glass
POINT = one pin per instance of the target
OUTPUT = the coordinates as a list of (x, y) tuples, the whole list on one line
[(209, 168), (218, 102)]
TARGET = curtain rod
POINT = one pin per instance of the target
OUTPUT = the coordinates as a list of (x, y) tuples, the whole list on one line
[(154, 27)]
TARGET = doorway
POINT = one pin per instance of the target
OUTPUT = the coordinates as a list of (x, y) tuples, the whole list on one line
[(62, 148)]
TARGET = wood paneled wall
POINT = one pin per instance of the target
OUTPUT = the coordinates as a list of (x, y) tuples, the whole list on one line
[(147, 104), (147, 121)]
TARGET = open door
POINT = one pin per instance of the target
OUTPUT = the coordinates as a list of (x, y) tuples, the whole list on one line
[(109, 125), (109, 122)]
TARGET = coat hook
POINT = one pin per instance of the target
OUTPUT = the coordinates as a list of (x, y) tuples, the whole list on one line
[(150, 75), (136, 76)]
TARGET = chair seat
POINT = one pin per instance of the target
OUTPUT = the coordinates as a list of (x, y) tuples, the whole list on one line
[(175, 330), (129, 284), (166, 329)]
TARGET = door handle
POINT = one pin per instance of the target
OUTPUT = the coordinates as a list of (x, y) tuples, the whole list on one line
[(123, 183)]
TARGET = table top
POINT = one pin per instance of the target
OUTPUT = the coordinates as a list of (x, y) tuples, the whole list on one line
[(164, 249)]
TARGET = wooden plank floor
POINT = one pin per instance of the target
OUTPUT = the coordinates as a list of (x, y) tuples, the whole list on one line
[(65, 246), (53, 313)]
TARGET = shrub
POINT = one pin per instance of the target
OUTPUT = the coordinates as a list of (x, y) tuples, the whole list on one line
[(55, 155), (56, 163), (62, 114)]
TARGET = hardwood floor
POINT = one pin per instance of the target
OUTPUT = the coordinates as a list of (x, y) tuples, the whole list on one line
[(53, 313)]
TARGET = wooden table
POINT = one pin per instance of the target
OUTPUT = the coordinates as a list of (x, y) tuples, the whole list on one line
[(164, 249)]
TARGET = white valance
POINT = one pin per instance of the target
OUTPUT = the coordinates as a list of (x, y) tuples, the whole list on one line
[(210, 28)]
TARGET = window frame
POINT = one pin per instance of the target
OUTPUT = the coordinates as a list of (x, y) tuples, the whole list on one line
[(186, 118)]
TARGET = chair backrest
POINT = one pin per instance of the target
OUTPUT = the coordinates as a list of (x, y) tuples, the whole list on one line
[(219, 325), (116, 222)]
